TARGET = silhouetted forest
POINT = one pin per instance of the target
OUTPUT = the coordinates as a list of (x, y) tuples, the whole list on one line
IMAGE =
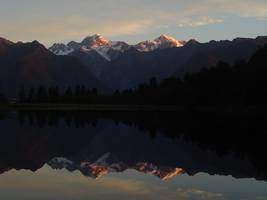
[(243, 83), (3, 99)]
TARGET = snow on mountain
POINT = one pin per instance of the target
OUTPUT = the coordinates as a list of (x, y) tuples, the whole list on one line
[(104, 52), (162, 42), (161, 172), (61, 49), (168, 41), (111, 49), (119, 46), (103, 46), (107, 164), (95, 42)]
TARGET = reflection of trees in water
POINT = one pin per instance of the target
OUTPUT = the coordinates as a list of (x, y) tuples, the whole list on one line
[(3, 115), (242, 136), (211, 131), (53, 119), (236, 133)]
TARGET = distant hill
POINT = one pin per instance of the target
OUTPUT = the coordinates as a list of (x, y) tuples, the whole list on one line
[(31, 64), (135, 67)]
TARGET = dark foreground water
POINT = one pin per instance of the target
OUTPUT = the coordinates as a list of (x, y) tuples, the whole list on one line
[(98, 156)]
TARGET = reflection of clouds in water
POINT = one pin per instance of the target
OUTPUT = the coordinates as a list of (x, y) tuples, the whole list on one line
[(196, 194), (54, 184), (110, 185), (49, 184), (261, 198)]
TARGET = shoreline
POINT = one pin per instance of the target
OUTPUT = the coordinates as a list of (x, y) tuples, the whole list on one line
[(92, 107), (220, 110)]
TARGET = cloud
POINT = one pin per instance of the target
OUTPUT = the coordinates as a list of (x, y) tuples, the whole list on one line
[(243, 8), (73, 28), (202, 21), (63, 20)]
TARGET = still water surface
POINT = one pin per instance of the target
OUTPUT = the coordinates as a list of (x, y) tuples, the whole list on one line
[(53, 156)]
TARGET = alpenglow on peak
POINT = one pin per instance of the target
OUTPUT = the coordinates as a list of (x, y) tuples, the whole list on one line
[(107, 49)]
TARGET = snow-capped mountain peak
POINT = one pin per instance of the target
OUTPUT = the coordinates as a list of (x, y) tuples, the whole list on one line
[(104, 47), (168, 40), (108, 163), (162, 42), (111, 49), (95, 41)]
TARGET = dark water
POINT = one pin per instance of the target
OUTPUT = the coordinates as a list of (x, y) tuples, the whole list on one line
[(81, 155)]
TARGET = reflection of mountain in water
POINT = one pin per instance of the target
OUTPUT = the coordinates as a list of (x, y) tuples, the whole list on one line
[(105, 165), (161, 145)]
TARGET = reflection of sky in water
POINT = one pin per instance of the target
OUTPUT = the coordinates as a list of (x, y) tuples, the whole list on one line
[(51, 184)]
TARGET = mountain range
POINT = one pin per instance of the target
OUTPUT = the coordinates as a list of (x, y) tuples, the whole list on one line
[(110, 65), (107, 164), (110, 50), (125, 66)]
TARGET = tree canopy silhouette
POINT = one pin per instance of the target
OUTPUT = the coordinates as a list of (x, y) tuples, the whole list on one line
[(243, 83)]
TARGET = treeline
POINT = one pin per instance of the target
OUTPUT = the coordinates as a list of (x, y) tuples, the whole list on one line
[(3, 99), (243, 83), (79, 94)]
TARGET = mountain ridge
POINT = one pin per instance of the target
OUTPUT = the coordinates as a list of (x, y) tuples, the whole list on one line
[(103, 46), (133, 68), (126, 66), (31, 64), (97, 169)]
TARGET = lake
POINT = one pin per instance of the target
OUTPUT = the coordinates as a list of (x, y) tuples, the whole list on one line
[(52, 155)]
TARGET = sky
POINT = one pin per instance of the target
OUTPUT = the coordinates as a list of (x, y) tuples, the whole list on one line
[(50, 21)]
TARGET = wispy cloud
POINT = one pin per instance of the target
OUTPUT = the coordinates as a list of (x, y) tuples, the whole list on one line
[(74, 28), (42, 20), (202, 21), (243, 8)]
